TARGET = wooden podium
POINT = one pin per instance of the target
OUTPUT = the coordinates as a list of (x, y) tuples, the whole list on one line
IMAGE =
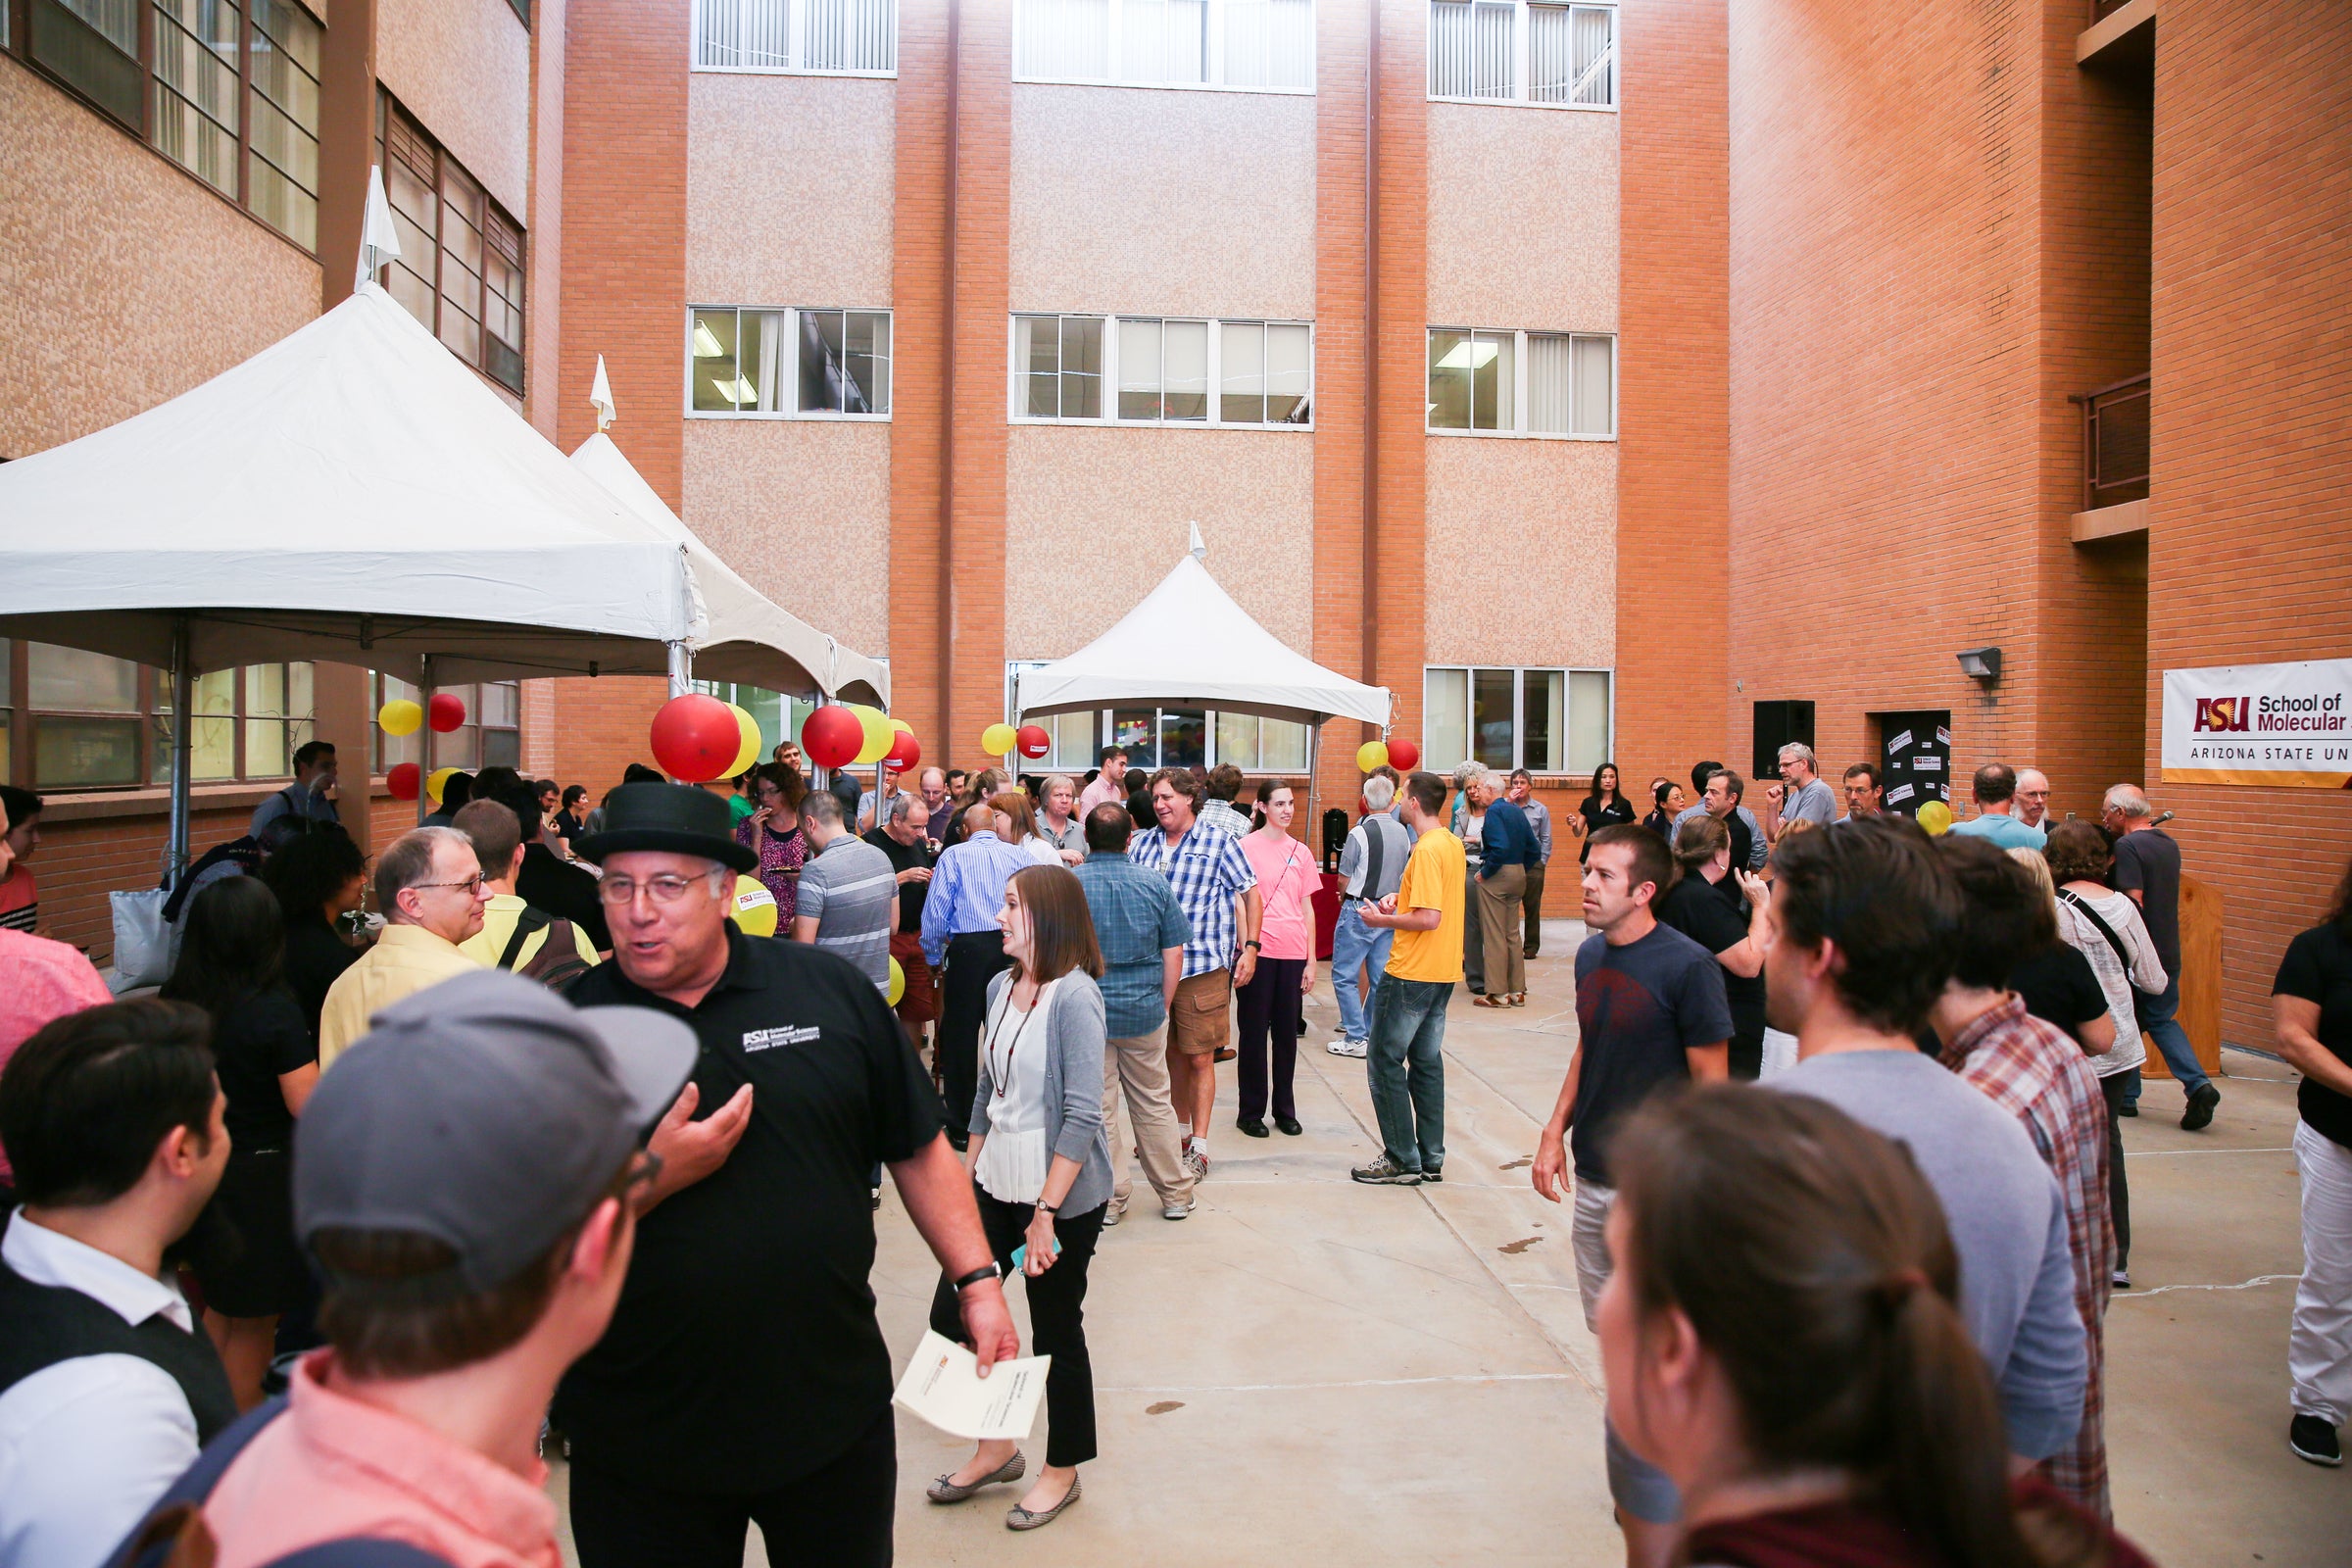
[(2200, 979)]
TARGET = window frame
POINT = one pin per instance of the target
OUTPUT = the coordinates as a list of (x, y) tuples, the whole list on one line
[(1518, 98), (790, 317), (386, 752), (1213, 47), (1519, 675), (495, 217), (16, 40), (794, 44), (149, 714), (1519, 432), (1017, 375), (1103, 723)]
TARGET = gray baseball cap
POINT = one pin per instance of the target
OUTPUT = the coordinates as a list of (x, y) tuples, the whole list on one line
[(486, 1113)]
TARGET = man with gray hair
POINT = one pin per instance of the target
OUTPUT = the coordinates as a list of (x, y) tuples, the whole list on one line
[(2147, 871), (431, 890), (1371, 866), (1801, 796)]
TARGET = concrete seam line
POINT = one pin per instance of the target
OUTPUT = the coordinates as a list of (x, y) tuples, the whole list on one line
[(2242, 1285), (1352, 1383), (2145, 1153)]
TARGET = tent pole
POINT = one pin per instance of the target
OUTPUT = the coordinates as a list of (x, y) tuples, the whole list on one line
[(681, 669), (1314, 755), (424, 740), (183, 728)]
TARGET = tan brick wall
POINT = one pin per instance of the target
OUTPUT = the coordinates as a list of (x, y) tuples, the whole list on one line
[(2251, 505), (464, 69)]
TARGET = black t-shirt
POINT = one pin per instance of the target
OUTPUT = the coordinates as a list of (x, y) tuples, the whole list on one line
[(316, 957), (1638, 1008), (2060, 987), (563, 890), (254, 1041), (906, 858), (1699, 910), (745, 1353), (2318, 967), (2150, 861)]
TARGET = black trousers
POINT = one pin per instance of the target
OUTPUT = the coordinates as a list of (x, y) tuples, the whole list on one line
[(2116, 1088), (1269, 1005), (1056, 1319), (1747, 1055), (973, 961), (839, 1517)]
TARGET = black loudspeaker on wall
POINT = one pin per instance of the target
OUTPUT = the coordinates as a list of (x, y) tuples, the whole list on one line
[(1779, 724)]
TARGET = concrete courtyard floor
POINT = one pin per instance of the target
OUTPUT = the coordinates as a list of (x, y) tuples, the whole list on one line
[(1312, 1371)]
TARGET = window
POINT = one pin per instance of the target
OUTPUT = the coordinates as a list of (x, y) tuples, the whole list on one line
[(814, 37), (490, 737), (228, 91), (1523, 383), (1252, 45), (459, 269), (1163, 736), (1167, 371), (1545, 720), (1520, 51), (778, 717), (780, 364), (73, 720)]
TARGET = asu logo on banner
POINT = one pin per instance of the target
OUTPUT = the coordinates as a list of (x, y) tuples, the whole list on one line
[(2273, 724)]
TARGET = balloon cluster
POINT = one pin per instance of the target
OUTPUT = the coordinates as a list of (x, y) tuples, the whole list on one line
[(696, 738), (1402, 755), (858, 735), (1003, 740)]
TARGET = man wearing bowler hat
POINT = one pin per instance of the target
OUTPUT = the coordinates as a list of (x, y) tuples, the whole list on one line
[(745, 1379)]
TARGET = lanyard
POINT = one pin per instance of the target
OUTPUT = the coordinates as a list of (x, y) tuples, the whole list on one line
[(1004, 1075)]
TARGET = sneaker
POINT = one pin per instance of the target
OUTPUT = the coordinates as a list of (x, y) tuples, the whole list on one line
[(1431, 1173), (1176, 1210), (2120, 1279), (2129, 1107), (2201, 1102), (1386, 1172), (1112, 1213), (1358, 1049), (2314, 1439), (1196, 1161)]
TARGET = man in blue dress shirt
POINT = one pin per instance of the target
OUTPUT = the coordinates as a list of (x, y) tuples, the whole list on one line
[(960, 933)]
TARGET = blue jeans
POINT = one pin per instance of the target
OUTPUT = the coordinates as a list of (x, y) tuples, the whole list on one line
[(1407, 1066), (1357, 947), (2155, 1017)]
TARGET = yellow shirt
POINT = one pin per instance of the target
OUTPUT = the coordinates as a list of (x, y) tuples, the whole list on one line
[(499, 919), (1433, 880), (405, 959)]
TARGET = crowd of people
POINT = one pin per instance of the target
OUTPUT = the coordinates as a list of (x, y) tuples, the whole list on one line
[(565, 1156)]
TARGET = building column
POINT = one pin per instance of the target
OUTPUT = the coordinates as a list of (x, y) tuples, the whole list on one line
[(345, 143)]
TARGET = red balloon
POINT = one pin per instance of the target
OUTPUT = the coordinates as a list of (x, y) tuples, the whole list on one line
[(447, 713), (695, 738), (405, 779), (1403, 756), (1033, 741), (904, 751), (832, 736)]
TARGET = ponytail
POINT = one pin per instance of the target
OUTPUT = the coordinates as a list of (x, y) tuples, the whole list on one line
[(1944, 1470)]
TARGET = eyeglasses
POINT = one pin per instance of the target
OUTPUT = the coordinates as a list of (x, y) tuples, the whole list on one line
[(472, 884), (619, 890)]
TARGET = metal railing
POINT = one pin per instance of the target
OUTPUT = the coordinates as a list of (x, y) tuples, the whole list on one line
[(2115, 443)]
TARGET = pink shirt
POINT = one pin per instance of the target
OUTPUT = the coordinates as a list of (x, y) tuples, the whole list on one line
[(332, 1467), (1287, 880), (40, 981), (1101, 790)]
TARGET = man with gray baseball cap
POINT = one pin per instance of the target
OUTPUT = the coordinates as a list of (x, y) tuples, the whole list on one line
[(467, 1181)]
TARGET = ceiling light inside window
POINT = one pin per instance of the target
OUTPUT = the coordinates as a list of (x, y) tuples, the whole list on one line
[(1473, 354), (737, 390), (705, 343)]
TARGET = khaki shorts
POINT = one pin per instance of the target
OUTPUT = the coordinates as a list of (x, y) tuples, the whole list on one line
[(1200, 1018)]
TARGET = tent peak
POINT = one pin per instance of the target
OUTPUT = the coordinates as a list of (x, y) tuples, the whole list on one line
[(600, 396), (1199, 551), (379, 240)]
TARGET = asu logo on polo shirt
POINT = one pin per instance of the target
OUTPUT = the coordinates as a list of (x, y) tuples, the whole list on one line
[(769, 1039)]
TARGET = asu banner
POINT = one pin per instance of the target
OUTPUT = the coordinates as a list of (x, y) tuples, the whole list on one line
[(2274, 725)]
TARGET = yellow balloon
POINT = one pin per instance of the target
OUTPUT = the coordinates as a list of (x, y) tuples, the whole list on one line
[(436, 781), (898, 982), (902, 727), (749, 753), (1371, 754), (879, 736), (998, 740), (1935, 818), (400, 716), (755, 907)]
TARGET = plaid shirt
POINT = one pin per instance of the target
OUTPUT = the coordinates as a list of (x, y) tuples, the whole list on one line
[(2037, 1074), (1136, 919), (1225, 817), (1208, 871)]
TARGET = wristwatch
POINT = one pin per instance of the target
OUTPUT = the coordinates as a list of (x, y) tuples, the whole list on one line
[(1255, 943), (987, 1271)]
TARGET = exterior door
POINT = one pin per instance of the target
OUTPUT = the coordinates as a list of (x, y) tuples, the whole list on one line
[(1915, 758)]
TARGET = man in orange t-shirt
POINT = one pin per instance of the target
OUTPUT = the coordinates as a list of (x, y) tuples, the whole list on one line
[(1406, 1065)]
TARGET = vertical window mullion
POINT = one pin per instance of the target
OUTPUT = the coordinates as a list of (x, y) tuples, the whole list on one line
[(1115, 51), (1519, 424), (1519, 84), (1214, 76), (245, 37), (1216, 372)]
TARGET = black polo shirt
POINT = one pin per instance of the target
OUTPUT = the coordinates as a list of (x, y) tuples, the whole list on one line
[(745, 1353), (906, 858)]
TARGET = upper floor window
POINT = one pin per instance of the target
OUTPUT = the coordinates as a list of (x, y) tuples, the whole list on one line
[(1545, 720), (1166, 370), (1523, 51), (227, 90), (460, 268), (1258, 45), (783, 363), (815, 37), (1523, 383)]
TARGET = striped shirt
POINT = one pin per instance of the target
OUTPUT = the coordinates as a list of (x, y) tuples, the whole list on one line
[(848, 889), (1208, 871)]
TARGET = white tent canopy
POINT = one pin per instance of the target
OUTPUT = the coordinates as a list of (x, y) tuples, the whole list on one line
[(353, 493), (1189, 645), (743, 627)]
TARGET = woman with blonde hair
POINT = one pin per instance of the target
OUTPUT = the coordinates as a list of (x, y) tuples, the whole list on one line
[(1017, 825), (1041, 1170)]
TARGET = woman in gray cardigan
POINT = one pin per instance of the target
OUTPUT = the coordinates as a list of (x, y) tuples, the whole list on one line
[(1041, 1164)]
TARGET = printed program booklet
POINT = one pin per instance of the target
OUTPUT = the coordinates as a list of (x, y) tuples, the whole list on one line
[(943, 1384)]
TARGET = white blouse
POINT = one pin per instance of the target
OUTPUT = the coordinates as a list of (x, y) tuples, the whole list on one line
[(1015, 1157)]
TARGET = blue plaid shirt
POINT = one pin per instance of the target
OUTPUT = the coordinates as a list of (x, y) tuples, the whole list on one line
[(1136, 919), (1208, 870)]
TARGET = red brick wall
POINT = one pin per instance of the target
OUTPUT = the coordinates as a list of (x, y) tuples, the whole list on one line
[(1673, 395), (601, 726), (2251, 504), (918, 435), (1399, 412), (1342, 563)]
